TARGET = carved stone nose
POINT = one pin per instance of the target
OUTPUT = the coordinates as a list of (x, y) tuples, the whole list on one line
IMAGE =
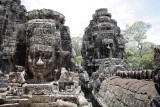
[(40, 62), (108, 47)]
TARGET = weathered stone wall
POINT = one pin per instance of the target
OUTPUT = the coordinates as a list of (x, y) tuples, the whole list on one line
[(12, 16), (67, 54), (157, 71), (115, 91)]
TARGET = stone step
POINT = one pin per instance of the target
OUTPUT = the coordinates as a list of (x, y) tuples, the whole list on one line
[(23, 102), (13, 97), (11, 101), (10, 105)]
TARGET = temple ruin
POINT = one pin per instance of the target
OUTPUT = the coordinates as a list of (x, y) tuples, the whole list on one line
[(38, 66), (102, 39), (37, 61)]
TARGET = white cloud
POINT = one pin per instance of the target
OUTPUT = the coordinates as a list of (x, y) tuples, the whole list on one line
[(78, 13)]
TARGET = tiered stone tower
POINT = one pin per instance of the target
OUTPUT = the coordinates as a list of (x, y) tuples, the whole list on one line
[(102, 39), (12, 16)]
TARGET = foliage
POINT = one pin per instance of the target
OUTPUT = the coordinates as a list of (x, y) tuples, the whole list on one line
[(136, 32), (77, 44), (136, 35), (148, 61), (148, 47), (79, 59), (148, 55), (133, 58)]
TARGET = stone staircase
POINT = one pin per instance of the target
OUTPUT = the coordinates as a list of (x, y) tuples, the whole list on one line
[(11, 94), (14, 101)]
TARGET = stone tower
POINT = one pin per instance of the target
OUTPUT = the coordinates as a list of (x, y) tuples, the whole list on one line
[(12, 16), (102, 39)]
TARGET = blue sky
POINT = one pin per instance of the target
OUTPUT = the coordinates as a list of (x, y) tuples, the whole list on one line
[(78, 13)]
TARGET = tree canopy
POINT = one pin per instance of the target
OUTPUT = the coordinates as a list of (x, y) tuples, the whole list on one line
[(138, 51)]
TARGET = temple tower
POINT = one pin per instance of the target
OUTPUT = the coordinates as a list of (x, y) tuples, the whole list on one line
[(102, 39)]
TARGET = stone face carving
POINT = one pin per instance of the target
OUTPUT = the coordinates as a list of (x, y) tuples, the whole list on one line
[(41, 39), (48, 44), (102, 39), (41, 32)]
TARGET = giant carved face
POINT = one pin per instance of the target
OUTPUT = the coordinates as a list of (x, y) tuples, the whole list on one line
[(41, 50)]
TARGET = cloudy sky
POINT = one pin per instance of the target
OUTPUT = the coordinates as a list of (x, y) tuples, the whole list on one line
[(78, 13)]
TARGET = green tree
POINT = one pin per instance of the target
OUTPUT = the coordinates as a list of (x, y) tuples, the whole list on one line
[(79, 59), (136, 33), (148, 55), (148, 61), (148, 47), (132, 57)]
